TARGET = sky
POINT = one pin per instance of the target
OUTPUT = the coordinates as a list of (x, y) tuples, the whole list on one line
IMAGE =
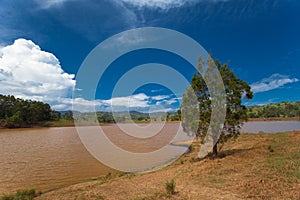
[(44, 43)]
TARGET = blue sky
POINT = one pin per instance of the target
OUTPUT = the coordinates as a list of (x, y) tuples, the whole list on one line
[(43, 43)]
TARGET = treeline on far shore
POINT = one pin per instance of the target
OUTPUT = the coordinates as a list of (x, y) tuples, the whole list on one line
[(16, 113), (275, 110), (278, 111), (124, 117)]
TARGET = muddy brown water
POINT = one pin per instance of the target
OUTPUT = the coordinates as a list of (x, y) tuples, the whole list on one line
[(270, 126), (49, 158)]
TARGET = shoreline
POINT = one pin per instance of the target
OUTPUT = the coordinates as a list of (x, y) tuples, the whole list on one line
[(274, 119), (65, 123)]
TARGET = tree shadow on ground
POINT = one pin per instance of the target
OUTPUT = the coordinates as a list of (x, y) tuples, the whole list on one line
[(230, 152)]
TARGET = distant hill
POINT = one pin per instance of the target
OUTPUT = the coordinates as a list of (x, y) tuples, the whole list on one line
[(275, 110), (109, 117), (68, 111)]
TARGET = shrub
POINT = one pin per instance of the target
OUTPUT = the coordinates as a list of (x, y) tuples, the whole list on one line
[(270, 148), (20, 195), (170, 187)]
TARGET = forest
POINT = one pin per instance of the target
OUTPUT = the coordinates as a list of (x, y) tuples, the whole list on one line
[(282, 110), (16, 112)]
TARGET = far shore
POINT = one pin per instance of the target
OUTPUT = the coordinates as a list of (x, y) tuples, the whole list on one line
[(70, 123), (275, 119)]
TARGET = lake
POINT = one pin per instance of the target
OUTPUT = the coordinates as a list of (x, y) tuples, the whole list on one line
[(270, 127), (48, 158)]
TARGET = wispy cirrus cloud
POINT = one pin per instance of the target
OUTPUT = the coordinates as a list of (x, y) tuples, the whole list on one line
[(162, 4), (46, 4), (134, 101), (139, 102), (273, 82), (160, 97), (153, 4)]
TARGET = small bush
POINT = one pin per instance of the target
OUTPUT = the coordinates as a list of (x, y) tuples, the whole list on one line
[(20, 195), (108, 175), (170, 187), (270, 148), (191, 148)]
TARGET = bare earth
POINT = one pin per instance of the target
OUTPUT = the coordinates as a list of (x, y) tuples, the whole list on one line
[(262, 166)]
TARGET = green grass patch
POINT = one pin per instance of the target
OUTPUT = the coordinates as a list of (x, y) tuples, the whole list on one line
[(280, 135), (288, 166), (285, 157), (217, 180)]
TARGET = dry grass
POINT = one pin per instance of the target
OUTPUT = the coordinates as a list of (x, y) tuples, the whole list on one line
[(254, 166)]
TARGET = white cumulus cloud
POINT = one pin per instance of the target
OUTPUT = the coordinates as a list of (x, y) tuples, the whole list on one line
[(28, 72), (132, 101), (273, 82)]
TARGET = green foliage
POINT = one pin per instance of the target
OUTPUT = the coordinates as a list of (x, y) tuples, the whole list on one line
[(105, 117), (179, 114), (173, 117), (270, 148), (170, 187), (68, 115), (282, 110), (14, 121), (15, 112), (119, 117), (137, 116), (235, 90), (21, 195), (55, 115), (108, 117)]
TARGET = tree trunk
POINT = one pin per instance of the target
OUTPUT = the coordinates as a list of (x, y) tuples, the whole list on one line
[(215, 150)]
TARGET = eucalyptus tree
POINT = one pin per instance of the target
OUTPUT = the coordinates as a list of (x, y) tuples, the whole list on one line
[(235, 90)]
